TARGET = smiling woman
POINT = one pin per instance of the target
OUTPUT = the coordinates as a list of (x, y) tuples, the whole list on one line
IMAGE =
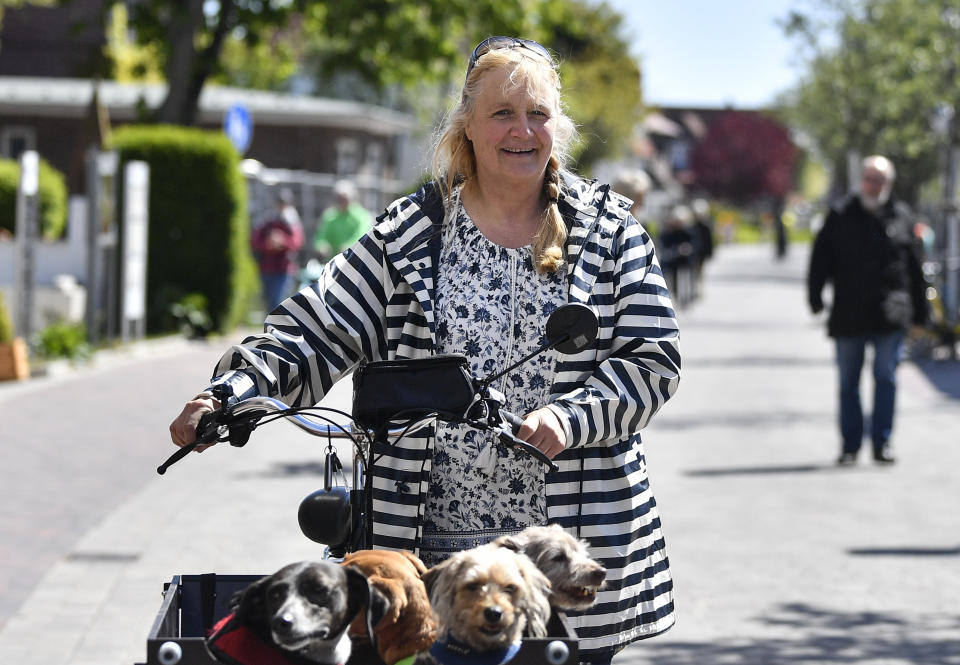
[(505, 144), (475, 262)]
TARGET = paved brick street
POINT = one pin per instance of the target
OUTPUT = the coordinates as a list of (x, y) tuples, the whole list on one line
[(778, 556)]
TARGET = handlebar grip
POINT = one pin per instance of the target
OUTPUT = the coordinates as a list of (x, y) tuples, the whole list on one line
[(511, 440), (515, 422)]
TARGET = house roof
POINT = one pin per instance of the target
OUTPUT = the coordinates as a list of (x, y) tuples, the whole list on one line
[(62, 97)]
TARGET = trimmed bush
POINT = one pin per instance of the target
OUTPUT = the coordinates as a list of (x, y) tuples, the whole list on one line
[(53, 198), (62, 340), (199, 225), (6, 325)]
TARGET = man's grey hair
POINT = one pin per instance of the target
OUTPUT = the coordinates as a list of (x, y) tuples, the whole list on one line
[(881, 164)]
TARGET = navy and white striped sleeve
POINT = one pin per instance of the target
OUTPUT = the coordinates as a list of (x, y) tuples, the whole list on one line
[(317, 335), (638, 347)]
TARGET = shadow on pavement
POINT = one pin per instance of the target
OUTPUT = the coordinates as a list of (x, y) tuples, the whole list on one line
[(758, 470), (744, 421), (759, 278), (823, 636), (905, 551), (286, 470), (944, 375), (757, 361)]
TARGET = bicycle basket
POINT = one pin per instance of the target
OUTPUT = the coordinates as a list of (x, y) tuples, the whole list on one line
[(391, 390)]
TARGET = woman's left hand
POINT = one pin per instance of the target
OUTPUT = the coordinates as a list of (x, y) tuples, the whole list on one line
[(542, 430)]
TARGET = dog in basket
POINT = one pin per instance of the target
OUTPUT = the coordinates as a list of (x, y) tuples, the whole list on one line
[(485, 600), (574, 576), (302, 611), (402, 620)]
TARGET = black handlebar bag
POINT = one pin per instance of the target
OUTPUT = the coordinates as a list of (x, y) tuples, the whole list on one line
[(387, 391)]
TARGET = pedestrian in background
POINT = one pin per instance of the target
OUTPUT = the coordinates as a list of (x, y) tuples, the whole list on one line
[(678, 248), (343, 223), (703, 230), (781, 235), (475, 262), (276, 242), (867, 250), (634, 184)]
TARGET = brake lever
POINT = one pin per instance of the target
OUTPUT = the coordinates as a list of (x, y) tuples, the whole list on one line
[(208, 431)]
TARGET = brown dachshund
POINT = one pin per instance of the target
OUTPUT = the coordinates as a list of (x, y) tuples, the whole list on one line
[(407, 624)]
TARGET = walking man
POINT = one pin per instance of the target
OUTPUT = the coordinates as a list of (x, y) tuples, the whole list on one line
[(868, 251)]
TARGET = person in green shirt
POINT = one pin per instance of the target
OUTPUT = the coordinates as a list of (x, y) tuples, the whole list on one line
[(342, 224)]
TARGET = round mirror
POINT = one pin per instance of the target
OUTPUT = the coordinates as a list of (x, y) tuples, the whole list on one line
[(572, 327)]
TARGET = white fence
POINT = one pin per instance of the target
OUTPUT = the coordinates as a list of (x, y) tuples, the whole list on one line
[(59, 272)]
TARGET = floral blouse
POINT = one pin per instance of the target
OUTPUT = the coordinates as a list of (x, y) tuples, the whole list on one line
[(492, 306)]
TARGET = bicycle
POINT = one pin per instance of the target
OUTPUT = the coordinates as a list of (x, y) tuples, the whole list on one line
[(337, 515)]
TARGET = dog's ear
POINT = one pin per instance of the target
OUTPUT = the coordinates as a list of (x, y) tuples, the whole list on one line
[(536, 604), (509, 542), (249, 605), (440, 581), (433, 575), (358, 591), (377, 607)]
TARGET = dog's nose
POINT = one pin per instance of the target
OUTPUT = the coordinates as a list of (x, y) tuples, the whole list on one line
[(492, 614), (283, 624), (598, 576)]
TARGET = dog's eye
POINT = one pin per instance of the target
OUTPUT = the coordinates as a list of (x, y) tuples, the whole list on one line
[(511, 589), (473, 587), (559, 557), (314, 589), (275, 593)]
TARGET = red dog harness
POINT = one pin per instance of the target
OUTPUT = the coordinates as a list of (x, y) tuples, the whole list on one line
[(233, 643)]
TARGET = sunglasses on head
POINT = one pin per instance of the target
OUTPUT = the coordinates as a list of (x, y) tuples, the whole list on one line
[(496, 43)]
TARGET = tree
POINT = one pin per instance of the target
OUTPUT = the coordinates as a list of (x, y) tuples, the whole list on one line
[(190, 36), (394, 52), (406, 47), (601, 79), (876, 72), (745, 156)]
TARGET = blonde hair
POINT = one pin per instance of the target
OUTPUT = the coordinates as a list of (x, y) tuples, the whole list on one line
[(454, 162)]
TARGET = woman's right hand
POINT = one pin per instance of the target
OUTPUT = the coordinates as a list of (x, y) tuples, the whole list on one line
[(183, 430)]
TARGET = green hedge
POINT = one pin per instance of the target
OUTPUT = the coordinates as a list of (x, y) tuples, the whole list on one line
[(6, 323), (199, 225), (53, 198)]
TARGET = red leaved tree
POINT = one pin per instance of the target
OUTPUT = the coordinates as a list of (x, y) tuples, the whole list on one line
[(745, 156)]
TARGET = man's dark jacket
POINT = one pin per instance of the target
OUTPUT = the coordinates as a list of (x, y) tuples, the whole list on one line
[(874, 263)]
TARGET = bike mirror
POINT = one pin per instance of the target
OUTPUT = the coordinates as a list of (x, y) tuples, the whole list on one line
[(572, 327)]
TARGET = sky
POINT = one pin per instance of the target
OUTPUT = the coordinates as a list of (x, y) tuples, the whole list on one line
[(710, 52)]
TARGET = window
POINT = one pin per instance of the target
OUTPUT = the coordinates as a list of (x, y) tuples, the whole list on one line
[(348, 156), (374, 162), (14, 139)]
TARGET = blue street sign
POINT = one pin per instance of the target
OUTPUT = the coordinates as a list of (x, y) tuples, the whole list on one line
[(238, 126)]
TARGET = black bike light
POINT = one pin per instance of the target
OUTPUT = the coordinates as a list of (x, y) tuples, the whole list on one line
[(325, 517)]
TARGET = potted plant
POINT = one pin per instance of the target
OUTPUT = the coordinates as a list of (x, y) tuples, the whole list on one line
[(13, 350)]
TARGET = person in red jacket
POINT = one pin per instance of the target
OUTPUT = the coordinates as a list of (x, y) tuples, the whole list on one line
[(276, 242)]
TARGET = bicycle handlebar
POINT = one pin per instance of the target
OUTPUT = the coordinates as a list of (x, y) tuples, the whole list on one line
[(247, 414)]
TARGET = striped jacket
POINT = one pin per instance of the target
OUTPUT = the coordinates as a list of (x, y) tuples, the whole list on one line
[(375, 301)]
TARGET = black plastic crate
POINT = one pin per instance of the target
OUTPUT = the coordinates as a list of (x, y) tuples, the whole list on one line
[(192, 605)]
